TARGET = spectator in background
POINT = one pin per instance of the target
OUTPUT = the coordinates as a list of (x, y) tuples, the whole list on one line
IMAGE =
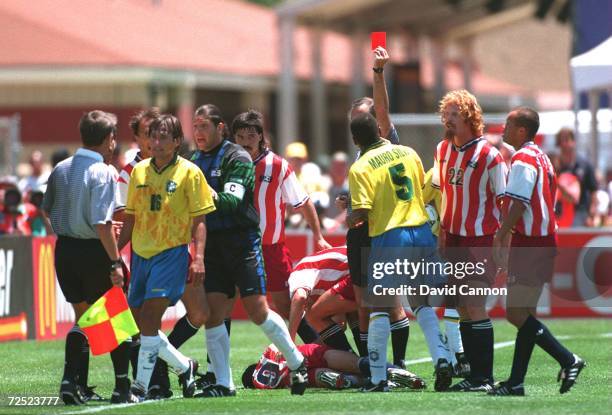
[(600, 206), (338, 171), (568, 193), (59, 155), (505, 149), (580, 167), (308, 173), (37, 178)]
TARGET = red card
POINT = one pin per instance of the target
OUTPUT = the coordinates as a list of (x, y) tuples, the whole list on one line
[(379, 39)]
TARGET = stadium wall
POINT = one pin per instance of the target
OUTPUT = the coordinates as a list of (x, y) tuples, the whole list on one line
[(33, 307)]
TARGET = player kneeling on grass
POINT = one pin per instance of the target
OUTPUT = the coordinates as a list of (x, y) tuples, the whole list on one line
[(168, 198), (531, 190), (327, 368)]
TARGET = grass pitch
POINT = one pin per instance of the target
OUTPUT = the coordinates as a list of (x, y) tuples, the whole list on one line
[(32, 369)]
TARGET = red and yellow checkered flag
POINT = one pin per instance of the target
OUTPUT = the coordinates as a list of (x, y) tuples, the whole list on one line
[(108, 322)]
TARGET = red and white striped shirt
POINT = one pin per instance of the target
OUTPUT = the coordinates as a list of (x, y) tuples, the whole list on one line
[(123, 182), (319, 272), (275, 186), (532, 181), (471, 179)]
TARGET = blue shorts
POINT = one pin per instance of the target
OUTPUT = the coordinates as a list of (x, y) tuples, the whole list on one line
[(162, 276)]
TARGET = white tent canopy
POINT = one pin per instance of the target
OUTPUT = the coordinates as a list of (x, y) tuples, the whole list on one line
[(593, 69)]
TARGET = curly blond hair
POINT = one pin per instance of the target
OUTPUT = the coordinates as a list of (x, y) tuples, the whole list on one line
[(468, 108)]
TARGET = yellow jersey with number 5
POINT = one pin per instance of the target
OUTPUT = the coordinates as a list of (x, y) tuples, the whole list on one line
[(388, 180)]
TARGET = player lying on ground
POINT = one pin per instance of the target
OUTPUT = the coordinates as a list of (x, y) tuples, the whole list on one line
[(327, 368)]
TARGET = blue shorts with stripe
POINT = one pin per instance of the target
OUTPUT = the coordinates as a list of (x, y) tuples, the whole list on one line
[(233, 259), (162, 276)]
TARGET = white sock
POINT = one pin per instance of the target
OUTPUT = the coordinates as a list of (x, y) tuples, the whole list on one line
[(167, 352), (274, 327), (379, 330), (147, 356), (218, 347), (453, 334), (435, 339)]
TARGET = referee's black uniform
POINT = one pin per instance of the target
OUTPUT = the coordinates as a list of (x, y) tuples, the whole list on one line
[(80, 195)]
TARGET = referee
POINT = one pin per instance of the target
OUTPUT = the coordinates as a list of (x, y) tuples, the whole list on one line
[(79, 202)]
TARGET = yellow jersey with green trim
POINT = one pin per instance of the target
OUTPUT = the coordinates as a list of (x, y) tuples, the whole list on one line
[(433, 199), (387, 180), (164, 203)]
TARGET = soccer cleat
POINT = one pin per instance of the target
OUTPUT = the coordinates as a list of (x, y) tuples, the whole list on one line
[(89, 395), (568, 375), (382, 386), (159, 392), (215, 391), (444, 375), (405, 378), (126, 396), (187, 379), (71, 394), (461, 369), (299, 380), (137, 391), (205, 380), (506, 389), (334, 380), (468, 385)]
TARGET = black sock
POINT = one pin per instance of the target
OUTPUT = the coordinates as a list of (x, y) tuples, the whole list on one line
[(306, 332), (482, 338), (134, 351), (83, 369), (363, 344), (549, 343), (75, 342), (465, 327), (400, 330), (182, 331), (121, 362), (160, 374), (334, 337), (523, 347)]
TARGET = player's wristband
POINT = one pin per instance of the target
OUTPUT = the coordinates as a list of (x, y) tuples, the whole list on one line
[(378, 70)]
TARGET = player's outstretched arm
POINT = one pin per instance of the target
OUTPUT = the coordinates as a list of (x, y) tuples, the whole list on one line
[(381, 98), (126, 231), (298, 305), (310, 214), (107, 238)]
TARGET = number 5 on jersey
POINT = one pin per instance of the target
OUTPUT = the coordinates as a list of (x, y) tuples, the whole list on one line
[(405, 190)]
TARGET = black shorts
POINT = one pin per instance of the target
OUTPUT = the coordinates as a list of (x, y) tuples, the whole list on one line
[(357, 241), (234, 259), (83, 269)]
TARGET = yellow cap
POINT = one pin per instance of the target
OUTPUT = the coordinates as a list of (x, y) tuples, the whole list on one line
[(296, 149)]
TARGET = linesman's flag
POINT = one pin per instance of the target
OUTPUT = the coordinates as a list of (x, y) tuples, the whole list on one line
[(108, 322)]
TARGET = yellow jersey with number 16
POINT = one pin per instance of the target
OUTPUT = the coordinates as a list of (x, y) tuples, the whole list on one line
[(387, 180)]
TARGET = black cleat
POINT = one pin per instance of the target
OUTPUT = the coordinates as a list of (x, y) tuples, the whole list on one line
[(461, 369), (405, 378), (125, 396), (159, 392), (187, 379), (468, 385), (568, 375), (215, 391), (70, 393), (205, 380), (137, 391), (299, 380), (89, 395), (444, 375), (382, 386), (506, 389)]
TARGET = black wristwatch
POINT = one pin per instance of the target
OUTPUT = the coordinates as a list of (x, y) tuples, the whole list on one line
[(378, 70), (115, 264)]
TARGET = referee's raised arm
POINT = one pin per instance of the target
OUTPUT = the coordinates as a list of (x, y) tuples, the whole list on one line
[(79, 202)]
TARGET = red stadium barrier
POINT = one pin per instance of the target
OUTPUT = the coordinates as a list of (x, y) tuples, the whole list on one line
[(32, 305)]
